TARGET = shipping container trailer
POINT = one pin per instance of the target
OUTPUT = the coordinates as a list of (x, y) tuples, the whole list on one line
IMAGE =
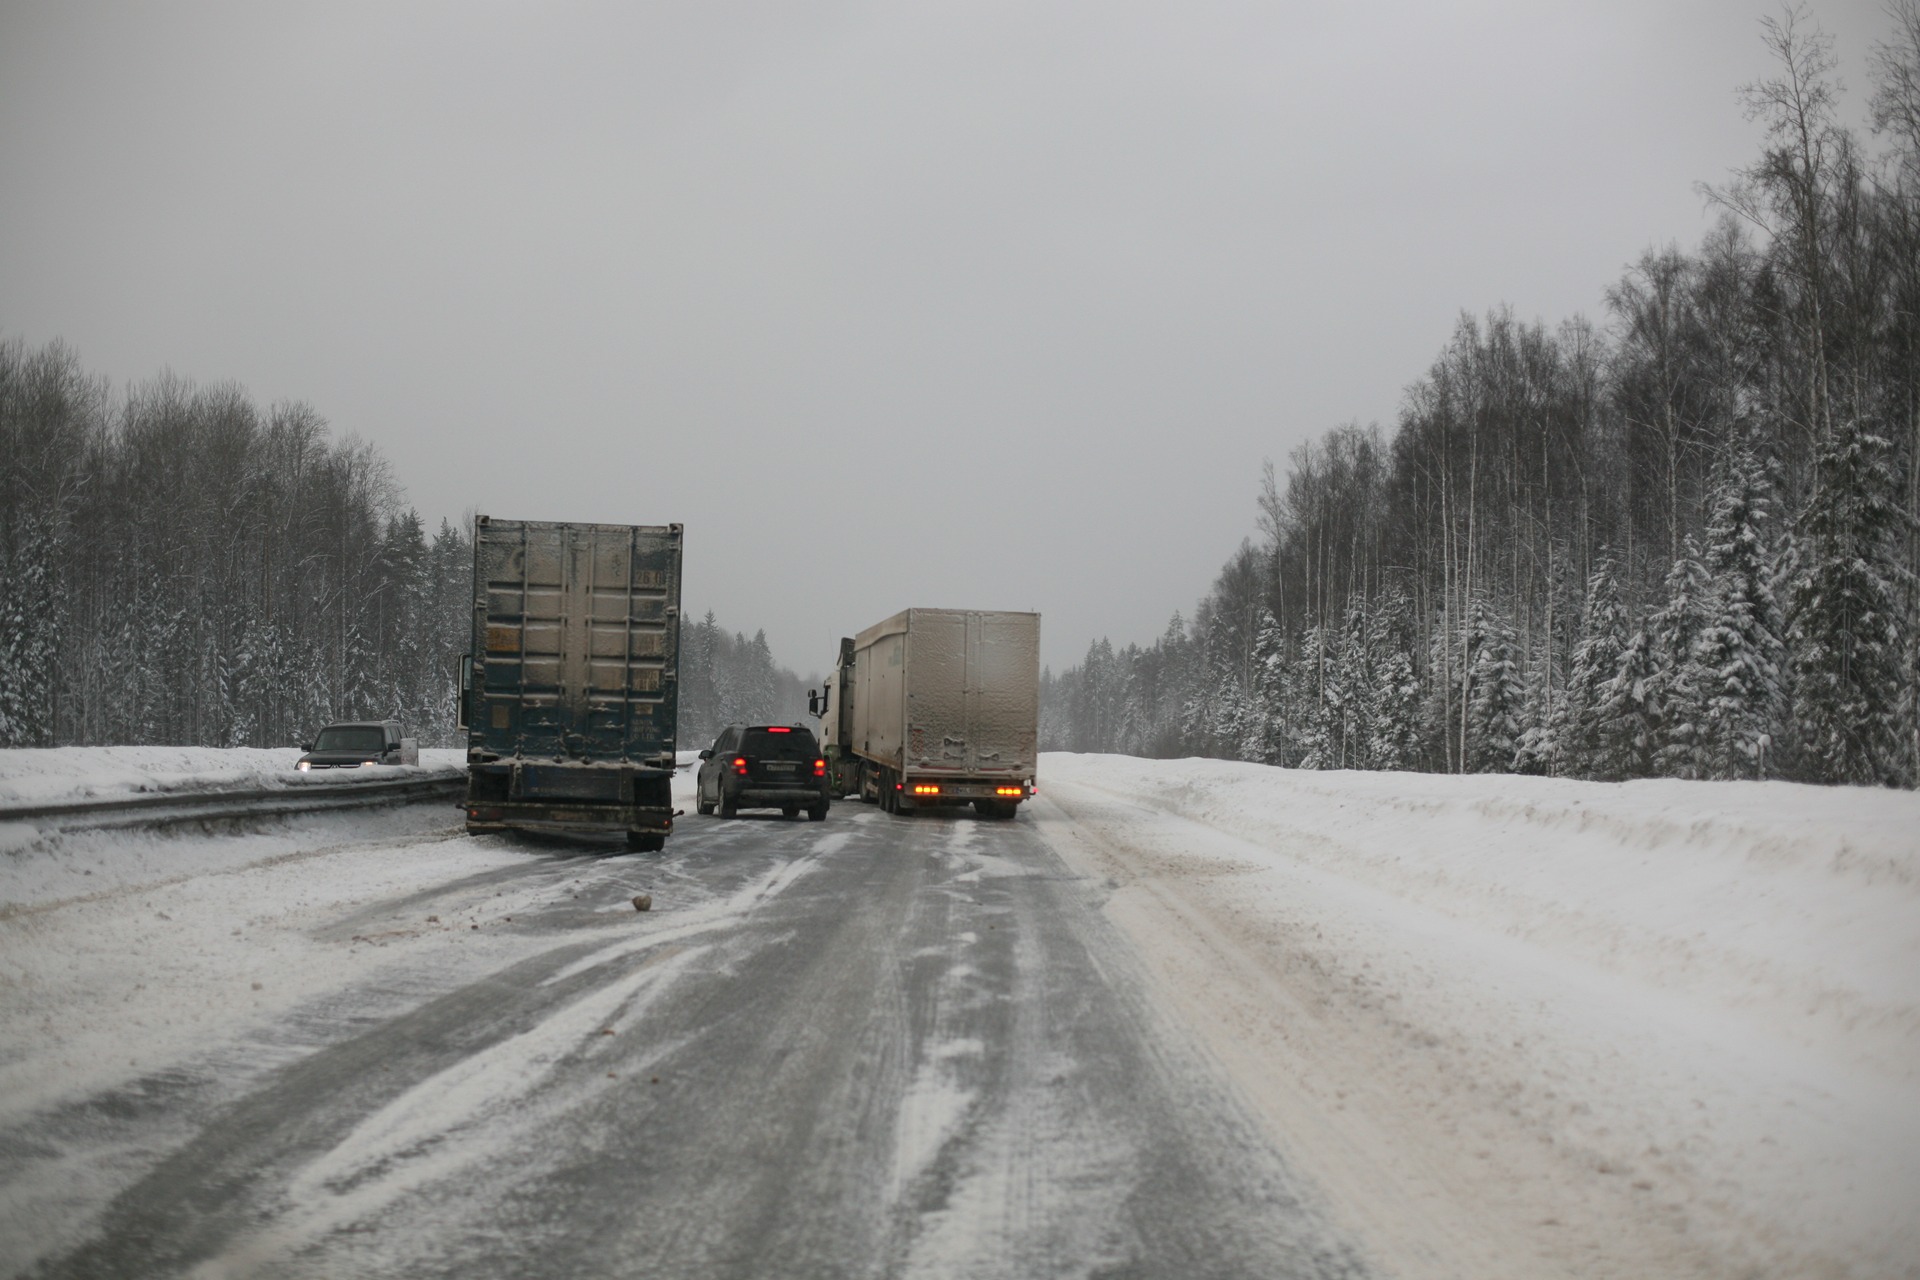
[(569, 693)]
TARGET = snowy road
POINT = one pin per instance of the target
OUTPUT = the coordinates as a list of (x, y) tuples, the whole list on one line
[(1183, 1018), (870, 1047)]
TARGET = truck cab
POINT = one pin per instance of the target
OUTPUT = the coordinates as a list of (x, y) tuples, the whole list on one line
[(829, 703)]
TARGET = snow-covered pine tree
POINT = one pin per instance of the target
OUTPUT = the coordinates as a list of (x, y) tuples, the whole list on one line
[(1544, 717), (1215, 710), (1541, 719), (1742, 650), (1175, 681), (1218, 717), (1495, 702), (1317, 683), (1393, 730), (1093, 701), (1359, 687), (1436, 725), (1596, 661), (701, 715), (1626, 720), (1678, 685), (30, 632), (757, 680), (448, 621), (1847, 627), (1264, 736)]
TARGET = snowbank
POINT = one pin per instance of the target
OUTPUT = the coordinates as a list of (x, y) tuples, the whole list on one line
[(53, 775), (1667, 1027)]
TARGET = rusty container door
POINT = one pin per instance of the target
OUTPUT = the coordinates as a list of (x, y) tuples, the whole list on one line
[(576, 639)]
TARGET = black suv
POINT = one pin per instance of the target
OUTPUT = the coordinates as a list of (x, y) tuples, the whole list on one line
[(361, 745), (763, 766)]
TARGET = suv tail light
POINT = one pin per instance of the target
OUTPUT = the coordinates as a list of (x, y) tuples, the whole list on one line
[(819, 768), (740, 765)]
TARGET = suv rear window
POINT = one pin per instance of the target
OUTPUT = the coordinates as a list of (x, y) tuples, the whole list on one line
[(779, 742)]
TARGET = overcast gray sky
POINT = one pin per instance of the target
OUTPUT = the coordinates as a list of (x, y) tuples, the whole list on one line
[(982, 304)]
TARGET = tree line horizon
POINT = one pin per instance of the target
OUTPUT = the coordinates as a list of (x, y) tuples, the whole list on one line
[(179, 566), (1686, 544)]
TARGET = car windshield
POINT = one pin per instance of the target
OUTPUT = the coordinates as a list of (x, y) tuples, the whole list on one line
[(351, 737)]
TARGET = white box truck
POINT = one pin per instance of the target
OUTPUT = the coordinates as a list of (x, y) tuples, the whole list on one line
[(936, 707)]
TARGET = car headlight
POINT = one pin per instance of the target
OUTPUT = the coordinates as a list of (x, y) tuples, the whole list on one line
[(368, 764), (304, 765)]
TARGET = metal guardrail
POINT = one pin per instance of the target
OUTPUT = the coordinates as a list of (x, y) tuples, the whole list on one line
[(191, 806)]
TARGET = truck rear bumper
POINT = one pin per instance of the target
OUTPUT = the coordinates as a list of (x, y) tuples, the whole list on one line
[(582, 819), (920, 792), (974, 790), (568, 798), (771, 797)]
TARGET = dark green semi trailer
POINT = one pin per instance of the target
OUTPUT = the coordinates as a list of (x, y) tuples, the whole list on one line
[(570, 692)]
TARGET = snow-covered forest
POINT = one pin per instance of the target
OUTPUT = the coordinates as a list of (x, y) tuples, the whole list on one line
[(728, 678), (1683, 542), (179, 566)]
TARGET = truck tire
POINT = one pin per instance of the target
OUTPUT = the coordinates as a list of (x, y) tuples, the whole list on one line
[(646, 841), (790, 811)]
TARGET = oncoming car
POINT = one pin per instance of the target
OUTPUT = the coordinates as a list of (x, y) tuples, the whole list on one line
[(763, 766), (359, 746)]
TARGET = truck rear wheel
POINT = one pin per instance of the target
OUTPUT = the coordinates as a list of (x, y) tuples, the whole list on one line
[(646, 841)]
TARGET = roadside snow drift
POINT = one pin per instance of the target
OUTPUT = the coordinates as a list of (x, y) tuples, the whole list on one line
[(56, 775), (1546, 1027)]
